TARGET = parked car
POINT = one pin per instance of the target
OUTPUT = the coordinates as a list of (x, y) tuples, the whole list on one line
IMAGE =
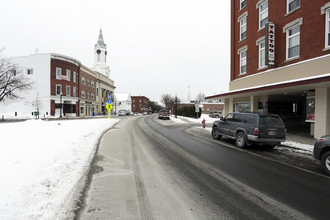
[(122, 112), (248, 128), (215, 114), (322, 152), (163, 114)]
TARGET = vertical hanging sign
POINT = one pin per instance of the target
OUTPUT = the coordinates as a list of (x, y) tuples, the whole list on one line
[(270, 44)]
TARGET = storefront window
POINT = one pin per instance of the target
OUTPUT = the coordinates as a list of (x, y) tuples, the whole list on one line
[(242, 107), (310, 108)]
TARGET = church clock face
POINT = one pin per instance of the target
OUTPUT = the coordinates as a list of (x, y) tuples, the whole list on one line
[(98, 51)]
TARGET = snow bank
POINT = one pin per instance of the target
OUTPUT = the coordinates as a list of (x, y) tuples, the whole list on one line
[(194, 120), (41, 163)]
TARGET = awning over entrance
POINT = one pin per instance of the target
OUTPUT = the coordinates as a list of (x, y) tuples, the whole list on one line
[(303, 102)]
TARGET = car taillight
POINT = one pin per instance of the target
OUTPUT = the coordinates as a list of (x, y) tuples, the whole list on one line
[(256, 131)]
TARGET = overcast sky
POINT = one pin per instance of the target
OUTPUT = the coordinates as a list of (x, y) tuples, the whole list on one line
[(154, 47)]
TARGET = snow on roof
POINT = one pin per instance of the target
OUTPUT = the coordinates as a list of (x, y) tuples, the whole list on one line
[(122, 96)]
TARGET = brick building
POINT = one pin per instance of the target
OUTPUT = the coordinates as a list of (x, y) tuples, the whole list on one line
[(62, 84), (140, 104), (87, 91), (280, 61)]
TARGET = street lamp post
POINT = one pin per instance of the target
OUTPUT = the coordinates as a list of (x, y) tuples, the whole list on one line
[(61, 104), (176, 107)]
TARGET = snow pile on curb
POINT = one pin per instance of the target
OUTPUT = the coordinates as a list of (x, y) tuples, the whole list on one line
[(306, 148), (194, 120), (42, 162)]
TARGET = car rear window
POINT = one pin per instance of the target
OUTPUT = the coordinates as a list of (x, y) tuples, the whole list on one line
[(270, 121)]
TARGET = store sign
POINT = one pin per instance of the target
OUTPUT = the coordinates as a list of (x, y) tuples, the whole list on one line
[(109, 98), (270, 44)]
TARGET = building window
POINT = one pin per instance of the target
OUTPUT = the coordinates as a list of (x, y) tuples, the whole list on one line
[(242, 64), (58, 89), (29, 71), (68, 91), (293, 41), (263, 14), (262, 54), (58, 73), (83, 94), (92, 96), (292, 5), (87, 95), (83, 80), (88, 82), (242, 24), (68, 75), (242, 3), (92, 84), (74, 92), (74, 76), (242, 107), (327, 28), (82, 110)]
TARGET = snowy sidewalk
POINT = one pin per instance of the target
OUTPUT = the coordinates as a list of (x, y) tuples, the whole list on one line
[(43, 163)]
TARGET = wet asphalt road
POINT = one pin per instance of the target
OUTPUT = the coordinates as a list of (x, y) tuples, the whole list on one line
[(155, 169)]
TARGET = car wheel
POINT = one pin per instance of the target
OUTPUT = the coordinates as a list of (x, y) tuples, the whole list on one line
[(215, 133), (325, 162), (240, 140)]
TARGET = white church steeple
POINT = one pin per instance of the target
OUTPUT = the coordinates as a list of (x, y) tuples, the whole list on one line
[(100, 53)]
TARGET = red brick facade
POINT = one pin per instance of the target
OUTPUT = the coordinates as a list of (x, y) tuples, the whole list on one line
[(87, 92), (312, 33), (140, 104), (69, 99)]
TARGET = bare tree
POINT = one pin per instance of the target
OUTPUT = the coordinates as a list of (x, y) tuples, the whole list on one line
[(37, 104), (167, 100), (12, 81), (200, 97)]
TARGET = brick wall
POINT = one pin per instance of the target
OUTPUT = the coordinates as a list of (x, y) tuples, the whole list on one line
[(312, 32)]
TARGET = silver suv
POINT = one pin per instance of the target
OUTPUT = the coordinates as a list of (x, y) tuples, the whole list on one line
[(248, 128), (215, 114)]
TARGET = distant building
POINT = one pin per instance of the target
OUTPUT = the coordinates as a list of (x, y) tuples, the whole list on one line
[(280, 56), (123, 101), (208, 107), (140, 104)]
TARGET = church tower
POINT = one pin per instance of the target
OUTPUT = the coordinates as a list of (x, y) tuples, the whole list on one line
[(100, 53)]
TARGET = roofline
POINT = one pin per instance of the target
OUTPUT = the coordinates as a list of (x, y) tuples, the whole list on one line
[(304, 81)]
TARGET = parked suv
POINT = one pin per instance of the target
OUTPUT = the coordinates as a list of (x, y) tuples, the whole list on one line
[(215, 114), (248, 128), (322, 152)]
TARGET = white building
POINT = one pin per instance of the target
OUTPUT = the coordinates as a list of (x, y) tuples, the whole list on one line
[(123, 101), (38, 68), (100, 63)]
